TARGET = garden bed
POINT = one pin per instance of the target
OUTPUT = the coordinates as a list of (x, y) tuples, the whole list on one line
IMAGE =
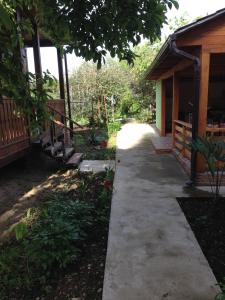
[(99, 143), (61, 244), (206, 217)]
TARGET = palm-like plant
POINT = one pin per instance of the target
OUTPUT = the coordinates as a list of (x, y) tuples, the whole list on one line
[(213, 152)]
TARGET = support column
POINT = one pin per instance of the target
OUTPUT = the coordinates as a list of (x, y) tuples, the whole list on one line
[(68, 91), (37, 53), (163, 109), (176, 96), (203, 102), (61, 77)]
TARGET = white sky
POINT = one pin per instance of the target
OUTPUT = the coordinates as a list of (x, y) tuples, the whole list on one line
[(194, 8)]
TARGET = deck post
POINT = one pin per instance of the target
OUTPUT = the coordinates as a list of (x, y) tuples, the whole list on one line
[(61, 77), (203, 102), (68, 92), (163, 108), (175, 109), (37, 53)]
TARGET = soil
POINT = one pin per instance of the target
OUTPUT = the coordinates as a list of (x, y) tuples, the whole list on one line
[(20, 184), (84, 281), (206, 217)]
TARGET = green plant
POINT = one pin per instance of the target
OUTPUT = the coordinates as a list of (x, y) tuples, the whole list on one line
[(213, 152), (53, 235), (221, 295), (51, 243), (113, 128)]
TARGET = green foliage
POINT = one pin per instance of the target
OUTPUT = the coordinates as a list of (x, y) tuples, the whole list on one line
[(91, 29), (132, 93), (51, 237), (221, 296), (113, 128), (213, 152), (20, 230), (90, 85)]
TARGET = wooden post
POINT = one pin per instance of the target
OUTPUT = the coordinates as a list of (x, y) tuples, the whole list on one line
[(68, 92), (37, 53), (61, 77), (203, 102), (175, 109), (163, 108)]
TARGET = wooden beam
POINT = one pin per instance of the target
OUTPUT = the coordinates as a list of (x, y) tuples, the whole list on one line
[(163, 108), (37, 53), (219, 48), (61, 77), (68, 92), (203, 102), (178, 67), (175, 108)]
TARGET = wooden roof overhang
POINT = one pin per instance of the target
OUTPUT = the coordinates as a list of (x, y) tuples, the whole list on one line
[(189, 38)]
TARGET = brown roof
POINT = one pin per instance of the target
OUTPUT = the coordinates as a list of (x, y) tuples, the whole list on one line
[(165, 51)]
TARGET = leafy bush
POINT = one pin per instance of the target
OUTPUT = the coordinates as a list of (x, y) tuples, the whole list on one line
[(52, 236), (52, 243), (221, 296), (113, 128)]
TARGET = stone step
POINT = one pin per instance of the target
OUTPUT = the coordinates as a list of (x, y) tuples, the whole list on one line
[(54, 149), (68, 153), (75, 160)]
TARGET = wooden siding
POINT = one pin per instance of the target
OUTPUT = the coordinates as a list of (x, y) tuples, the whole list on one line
[(210, 34)]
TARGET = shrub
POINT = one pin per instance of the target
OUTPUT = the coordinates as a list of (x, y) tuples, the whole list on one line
[(113, 128)]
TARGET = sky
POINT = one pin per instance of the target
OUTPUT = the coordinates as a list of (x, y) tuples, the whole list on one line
[(194, 8)]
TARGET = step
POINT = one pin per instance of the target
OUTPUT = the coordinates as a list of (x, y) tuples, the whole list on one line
[(75, 160), (54, 149), (68, 153), (45, 141)]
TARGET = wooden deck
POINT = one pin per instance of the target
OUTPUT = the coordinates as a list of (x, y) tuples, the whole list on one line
[(162, 144), (14, 135), (14, 130)]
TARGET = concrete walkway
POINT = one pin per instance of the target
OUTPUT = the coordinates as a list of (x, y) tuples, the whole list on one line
[(152, 252)]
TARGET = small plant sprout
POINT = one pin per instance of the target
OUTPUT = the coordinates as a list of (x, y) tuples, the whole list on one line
[(213, 152)]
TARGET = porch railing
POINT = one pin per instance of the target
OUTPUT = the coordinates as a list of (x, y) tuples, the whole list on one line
[(217, 132), (182, 137), (13, 125)]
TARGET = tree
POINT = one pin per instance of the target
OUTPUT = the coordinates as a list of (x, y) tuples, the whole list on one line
[(90, 28), (89, 86)]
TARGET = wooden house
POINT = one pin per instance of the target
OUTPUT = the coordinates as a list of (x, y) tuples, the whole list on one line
[(189, 71)]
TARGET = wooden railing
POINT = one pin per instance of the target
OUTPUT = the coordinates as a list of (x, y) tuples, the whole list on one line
[(216, 132), (182, 137), (13, 125), (59, 116)]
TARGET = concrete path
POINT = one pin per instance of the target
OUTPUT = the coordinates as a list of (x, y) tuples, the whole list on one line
[(152, 252)]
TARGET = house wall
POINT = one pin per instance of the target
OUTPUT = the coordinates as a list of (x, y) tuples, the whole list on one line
[(158, 104)]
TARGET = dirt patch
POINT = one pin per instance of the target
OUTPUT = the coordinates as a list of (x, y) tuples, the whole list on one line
[(206, 217), (20, 184)]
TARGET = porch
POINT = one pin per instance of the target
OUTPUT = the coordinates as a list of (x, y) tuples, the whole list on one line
[(15, 138)]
